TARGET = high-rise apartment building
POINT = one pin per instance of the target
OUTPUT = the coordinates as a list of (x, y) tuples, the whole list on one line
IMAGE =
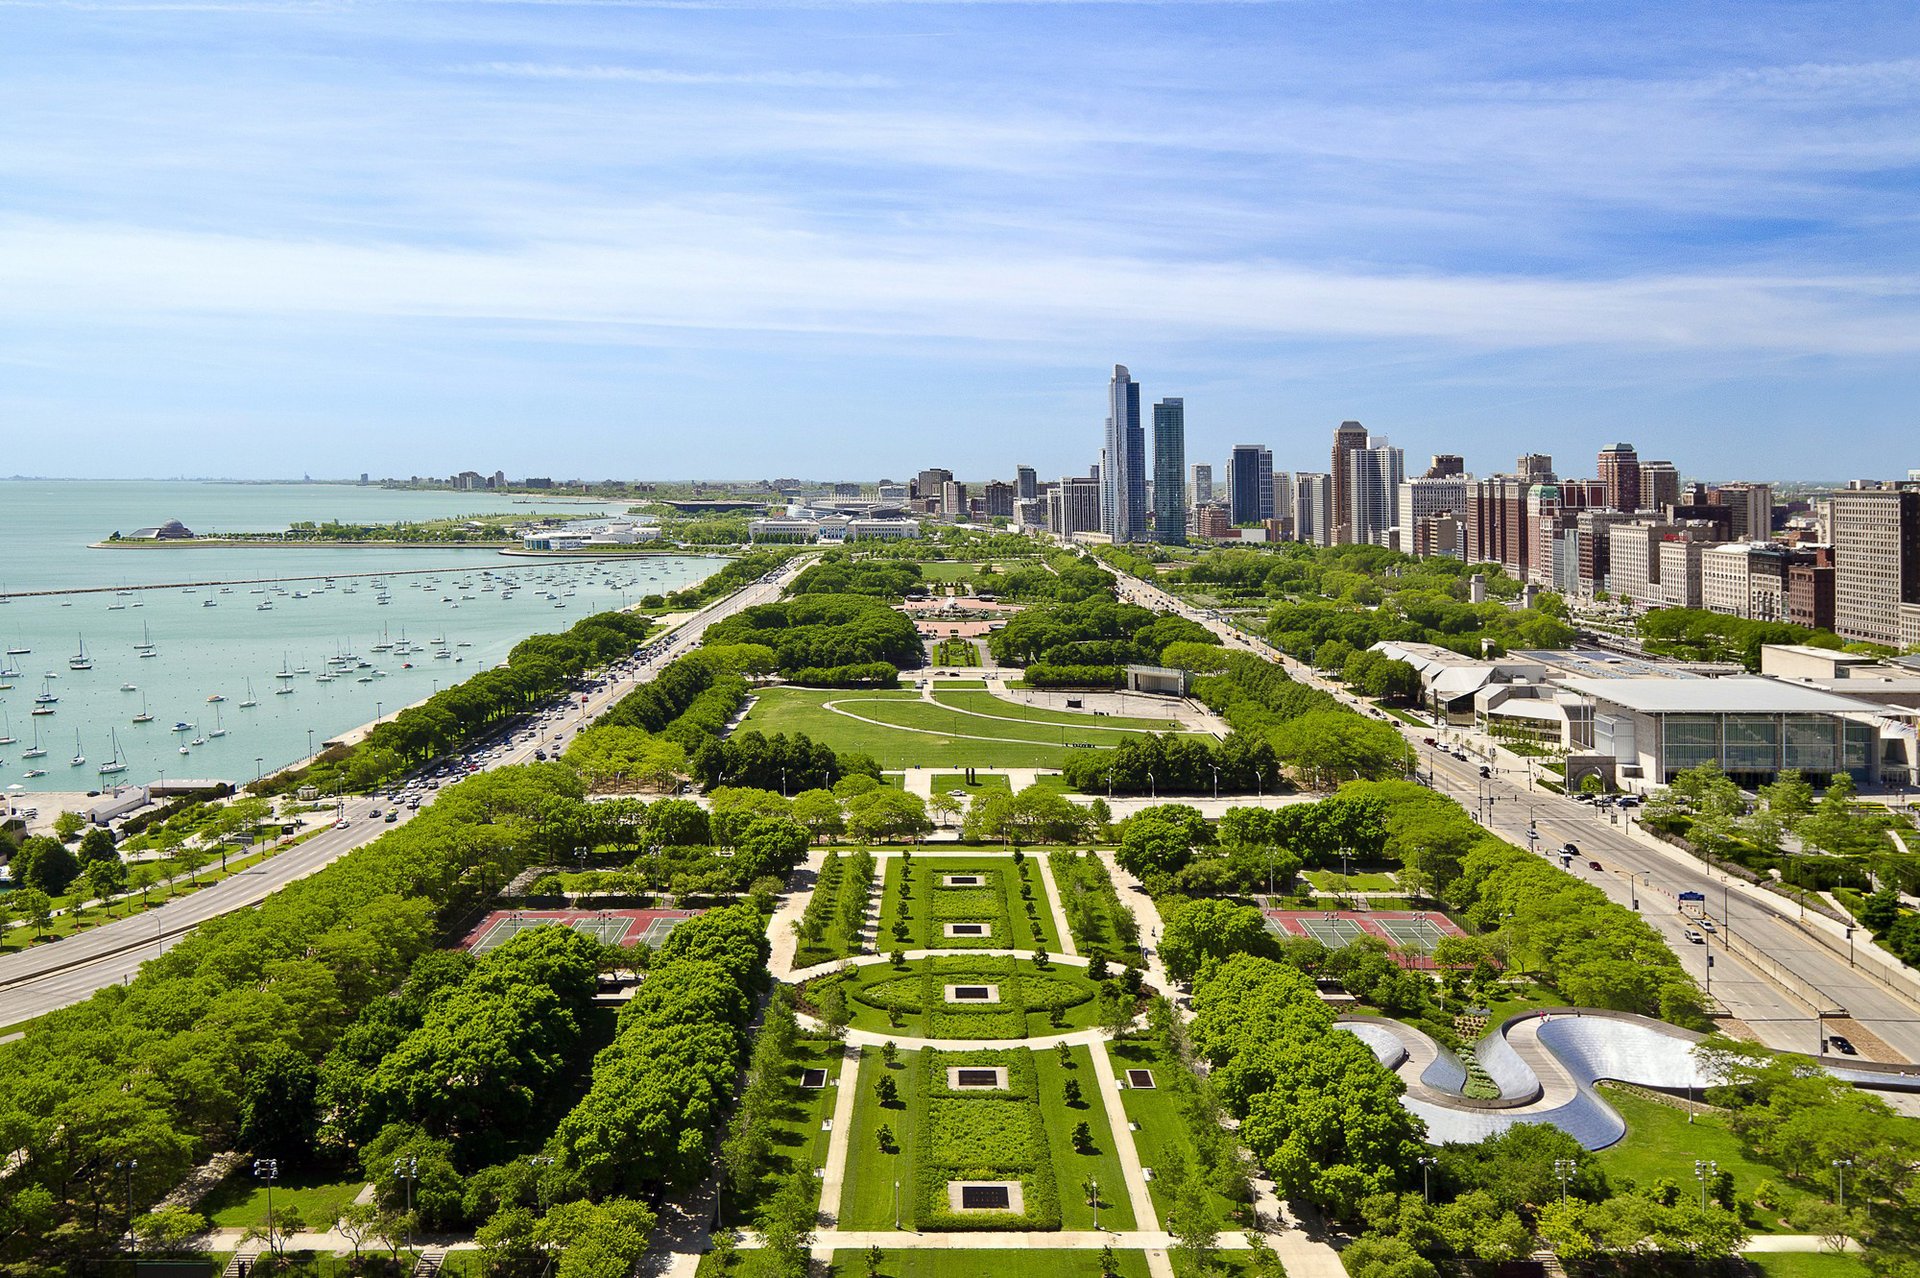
[(1446, 466), (1348, 437), (998, 495), (1876, 561), (1073, 505), (1750, 509), (1535, 468), (1202, 490), (1659, 486), (1123, 464), (1497, 530), (1169, 472), (1026, 483), (1374, 475), (931, 483), (1250, 484), (953, 499), (1421, 500), (1620, 472), (1313, 508)]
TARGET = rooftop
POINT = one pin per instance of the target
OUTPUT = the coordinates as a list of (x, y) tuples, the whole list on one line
[(1734, 694)]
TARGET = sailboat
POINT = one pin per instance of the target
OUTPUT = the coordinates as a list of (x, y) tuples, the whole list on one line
[(43, 704), (219, 726), (116, 763), (145, 646), (145, 716), (79, 756), (7, 737), (249, 703), (80, 660), (38, 751)]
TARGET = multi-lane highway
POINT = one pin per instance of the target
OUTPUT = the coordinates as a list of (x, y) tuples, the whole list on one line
[(1805, 976), (38, 980)]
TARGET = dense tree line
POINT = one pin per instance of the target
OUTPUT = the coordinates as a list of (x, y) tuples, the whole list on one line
[(1698, 635), (1319, 1111), (1091, 632), (660, 1089), (838, 573), (742, 570), (824, 631), (782, 763), (157, 1070), (1310, 732), (1170, 764)]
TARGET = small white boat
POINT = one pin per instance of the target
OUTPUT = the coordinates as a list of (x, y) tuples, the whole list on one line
[(129, 687), (79, 758), (145, 715), (249, 703)]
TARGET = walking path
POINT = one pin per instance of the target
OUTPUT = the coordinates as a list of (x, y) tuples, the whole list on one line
[(834, 1175), (1057, 904)]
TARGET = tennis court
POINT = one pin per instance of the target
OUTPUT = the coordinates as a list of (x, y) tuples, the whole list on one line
[(610, 927), (1412, 933)]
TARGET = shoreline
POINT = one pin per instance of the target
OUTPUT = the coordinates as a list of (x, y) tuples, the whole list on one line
[(322, 576)]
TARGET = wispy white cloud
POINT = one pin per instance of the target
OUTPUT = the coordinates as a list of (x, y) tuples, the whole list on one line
[(667, 76)]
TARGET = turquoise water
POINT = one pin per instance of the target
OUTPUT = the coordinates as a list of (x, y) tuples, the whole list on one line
[(212, 640)]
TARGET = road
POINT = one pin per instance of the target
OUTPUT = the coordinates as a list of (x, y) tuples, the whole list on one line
[(1636, 868), (38, 980)]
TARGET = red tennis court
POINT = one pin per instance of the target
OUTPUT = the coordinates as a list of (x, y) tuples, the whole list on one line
[(614, 927), (1415, 931)]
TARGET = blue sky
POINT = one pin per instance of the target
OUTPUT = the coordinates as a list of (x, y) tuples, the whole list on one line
[(252, 238)]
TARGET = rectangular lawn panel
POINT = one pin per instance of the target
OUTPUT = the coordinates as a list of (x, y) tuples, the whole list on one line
[(1000, 900), (924, 1262), (1071, 1167), (866, 1196), (792, 710), (1163, 1128), (967, 1135)]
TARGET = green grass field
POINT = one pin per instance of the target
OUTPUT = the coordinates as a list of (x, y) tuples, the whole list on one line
[(1807, 1264), (991, 1263), (931, 904), (1661, 1144), (944, 782), (793, 710), (795, 1130), (1072, 1169), (1330, 881), (1162, 1127), (986, 703), (240, 1200), (1025, 1002), (947, 570)]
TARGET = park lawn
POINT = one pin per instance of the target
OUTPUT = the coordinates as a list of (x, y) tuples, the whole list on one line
[(982, 782), (1071, 1169), (1099, 931), (946, 682), (240, 1201), (1661, 1144), (1163, 1128), (981, 1020), (986, 703), (866, 1195), (947, 570), (1014, 930), (937, 719), (1807, 1264), (791, 710), (798, 1139), (1329, 881), (933, 1262)]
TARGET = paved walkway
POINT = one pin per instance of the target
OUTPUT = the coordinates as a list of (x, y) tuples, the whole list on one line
[(834, 1175), (1056, 903)]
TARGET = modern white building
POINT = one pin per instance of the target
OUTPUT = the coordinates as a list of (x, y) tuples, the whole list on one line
[(1423, 498)]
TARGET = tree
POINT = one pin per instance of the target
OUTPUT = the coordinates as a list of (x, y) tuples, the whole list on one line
[(1072, 1090), (1082, 1138), (889, 1052), (68, 825), (106, 879), (1116, 1012), (1196, 932), (1196, 1231), (886, 1091), (35, 908), (943, 806), (359, 1220), (832, 1006), (168, 1229), (46, 864), (97, 845), (873, 1258)]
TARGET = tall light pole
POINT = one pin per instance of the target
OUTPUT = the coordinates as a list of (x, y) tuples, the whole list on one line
[(128, 1166), (1093, 1199), (1840, 1166), (268, 1169), (1704, 1170), (408, 1169), (1564, 1168), (1426, 1188)]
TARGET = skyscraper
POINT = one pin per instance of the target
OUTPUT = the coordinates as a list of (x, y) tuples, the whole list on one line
[(1374, 474), (1620, 472), (1026, 484), (1169, 472), (1659, 485), (1202, 484), (1123, 469), (1535, 468), (1876, 561), (1348, 437), (1313, 508), (1250, 483)]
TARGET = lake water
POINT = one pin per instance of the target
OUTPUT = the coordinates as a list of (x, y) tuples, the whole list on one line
[(217, 640)]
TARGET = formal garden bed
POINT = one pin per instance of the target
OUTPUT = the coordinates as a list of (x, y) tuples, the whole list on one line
[(923, 895), (926, 998)]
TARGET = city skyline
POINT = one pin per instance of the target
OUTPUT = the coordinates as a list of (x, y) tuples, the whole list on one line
[(628, 239)]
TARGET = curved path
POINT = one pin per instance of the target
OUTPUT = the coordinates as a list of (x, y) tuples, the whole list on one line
[(1546, 1064)]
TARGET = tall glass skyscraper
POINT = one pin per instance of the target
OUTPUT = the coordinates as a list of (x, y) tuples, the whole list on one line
[(1123, 473), (1169, 472), (1250, 483)]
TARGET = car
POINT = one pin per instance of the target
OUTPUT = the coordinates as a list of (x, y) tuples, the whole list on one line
[(342, 824), (1571, 849), (1485, 771), (1842, 1044), (392, 816), (540, 754), (1460, 755), (1695, 937), (1706, 925), (1593, 865)]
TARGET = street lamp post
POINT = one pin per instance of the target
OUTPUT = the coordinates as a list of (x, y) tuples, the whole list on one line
[(1216, 784), (408, 1169), (1563, 1169), (128, 1166), (1840, 1166), (1426, 1187), (1704, 1170), (1093, 1199), (257, 761), (268, 1169)]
